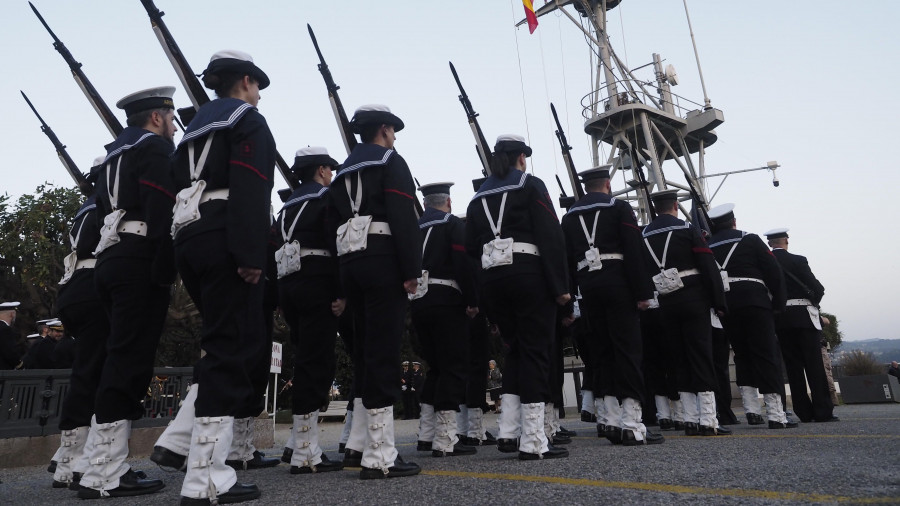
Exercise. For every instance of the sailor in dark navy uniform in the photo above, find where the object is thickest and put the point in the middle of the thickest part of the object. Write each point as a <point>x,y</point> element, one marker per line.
<point>606,260</point>
<point>133,273</point>
<point>689,288</point>
<point>512,229</point>
<point>9,354</point>
<point>755,288</point>
<point>380,257</point>
<point>444,301</point>
<point>309,296</point>
<point>82,314</point>
<point>224,167</point>
<point>799,329</point>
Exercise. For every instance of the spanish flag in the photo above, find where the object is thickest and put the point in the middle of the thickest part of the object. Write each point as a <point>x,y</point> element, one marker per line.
<point>529,15</point>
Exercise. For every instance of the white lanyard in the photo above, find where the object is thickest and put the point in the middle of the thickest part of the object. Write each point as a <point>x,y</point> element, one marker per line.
<point>425,242</point>
<point>356,202</point>
<point>114,195</point>
<point>495,228</point>
<point>728,257</point>
<point>74,240</point>
<point>665,251</point>
<point>590,238</point>
<point>197,168</point>
<point>290,233</point>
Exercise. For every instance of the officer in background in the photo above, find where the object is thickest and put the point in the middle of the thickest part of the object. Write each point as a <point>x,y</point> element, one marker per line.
<point>690,288</point>
<point>409,399</point>
<point>512,228</point>
<point>799,330</point>
<point>380,256</point>
<point>417,376</point>
<point>606,261</point>
<point>755,288</point>
<point>444,301</point>
<point>9,357</point>
<point>309,295</point>
<point>133,273</point>
<point>52,352</point>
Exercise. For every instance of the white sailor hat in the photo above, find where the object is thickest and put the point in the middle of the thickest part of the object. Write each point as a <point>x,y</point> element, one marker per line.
<point>512,143</point>
<point>44,322</point>
<point>777,233</point>
<point>417,363</point>
<point>601,172</point>
<point>405,362</point>
<point>230,61</point>
<point>664,195</point>
<point>435,188</point>
<point>312,156</point>
<point>375,114</point>
<point>722,213</point>
<point>55,324</point>
<point>8,306</point>
<point>151,98</point>
<point>33,336</point>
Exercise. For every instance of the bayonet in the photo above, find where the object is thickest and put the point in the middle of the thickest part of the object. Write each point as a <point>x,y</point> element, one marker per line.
<point>61,152</point>
<point>577,190</point>
<point>340,115</point>
<point>481,145</point>
<point>106,114</point>
<point>192,85</point>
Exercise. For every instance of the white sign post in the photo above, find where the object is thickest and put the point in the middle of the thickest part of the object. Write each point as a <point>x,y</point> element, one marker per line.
<point>275,367</point>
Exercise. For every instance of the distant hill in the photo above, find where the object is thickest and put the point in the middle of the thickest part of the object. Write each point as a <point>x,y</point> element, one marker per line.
<point>885,350</point>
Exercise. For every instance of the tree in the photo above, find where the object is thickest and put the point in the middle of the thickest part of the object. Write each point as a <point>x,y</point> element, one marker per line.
<point>832,332</point>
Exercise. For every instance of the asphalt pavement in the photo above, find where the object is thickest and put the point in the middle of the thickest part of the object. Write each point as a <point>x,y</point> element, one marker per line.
<point>855,461</point>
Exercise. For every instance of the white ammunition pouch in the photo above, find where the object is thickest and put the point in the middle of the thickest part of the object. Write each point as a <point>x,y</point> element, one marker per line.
<point>109,232</point>
<point>422,285</point>
<point>499,251</point>
<point>188,200</point>
<point>726,281</point>
<point>70,263</point>
<point>668,280</point>
<point>287,258</point>
<point>353,236</point>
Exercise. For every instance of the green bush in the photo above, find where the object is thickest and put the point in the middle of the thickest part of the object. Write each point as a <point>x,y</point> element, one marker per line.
<point>861,363</point>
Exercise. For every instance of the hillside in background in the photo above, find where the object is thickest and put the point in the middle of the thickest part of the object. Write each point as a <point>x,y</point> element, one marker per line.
<point>884,350</point>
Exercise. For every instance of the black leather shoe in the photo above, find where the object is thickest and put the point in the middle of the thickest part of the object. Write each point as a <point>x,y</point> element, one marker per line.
<point>52,467</point>
<point>566,432</point>
<point>60,484</point>
<point>650,438</point>
<point>552,453</point>
<point>678,425</point>
<point>287,455</point>
<point>352,458</point>
<point>691,429</point>
<point>423,446</point>
<point>832,419</point>
<point>588,417</point>
<point>727,418</point>
<point>666,424</point>
<point>239,492</point>
<point>164,457</point>
<point>508,445</point>
<point>778,425</point>
<point>712,431</point>
<point>75,485</point>
<point>459,449</point>
<point>398,470</point>
<point>613,435</point>
<point>342,447</point>
<point>259,461</point>
<point>322,467</point>
<point>601,430</point>
<point>755,419</point>
<point>129,485</point>
<point>489,439</point>
<point>560,439</point>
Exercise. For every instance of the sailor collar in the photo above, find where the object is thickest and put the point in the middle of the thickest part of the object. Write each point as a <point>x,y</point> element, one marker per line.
<point>130,138</point>
<point>514,180</point>
<point>432,217</point>
<point>89,205</point>
<point>676,224</point>
<point>304,192</point>
<point>729,240</point>
<point>365,155</point>
<point>219,114</point>
<point>592,201</point>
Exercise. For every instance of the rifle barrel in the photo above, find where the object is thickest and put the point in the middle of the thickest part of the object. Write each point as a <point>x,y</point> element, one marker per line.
<point>61,152</point>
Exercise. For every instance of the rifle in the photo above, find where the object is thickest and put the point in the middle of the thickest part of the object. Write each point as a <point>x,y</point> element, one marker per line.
<point>192,85</point>
<point>340,115</point>
<point>106,114</point>
<point>577,190</point>
<point>481,145</point>
<point>61,152</point>
<point>565,201</point>
<point>644,185</point>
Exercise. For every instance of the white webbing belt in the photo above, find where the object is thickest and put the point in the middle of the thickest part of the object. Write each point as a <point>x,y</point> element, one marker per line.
<point>133,227</point>
<point>220,194</point>
<point>305,252</point>
<point>86,264</point>
<point>603,256</point>
<point>688,272</point>
<point>661,264</point>
<point>518,247</point>
<point>798,302</point>
<point>732,280</point>
<point>445,282</point>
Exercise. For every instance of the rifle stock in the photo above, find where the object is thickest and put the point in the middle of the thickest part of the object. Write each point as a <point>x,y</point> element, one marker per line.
<point>61,152</point>
<point>106,115</point>
<point>481,145</point>
<point>192,85</point>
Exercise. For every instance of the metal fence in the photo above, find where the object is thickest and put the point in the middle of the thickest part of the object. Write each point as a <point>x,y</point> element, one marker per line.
<point>31,400</point>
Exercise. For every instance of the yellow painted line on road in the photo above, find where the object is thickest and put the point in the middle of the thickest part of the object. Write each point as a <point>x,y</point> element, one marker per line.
<point>671,489</point>
<point>791,436</point>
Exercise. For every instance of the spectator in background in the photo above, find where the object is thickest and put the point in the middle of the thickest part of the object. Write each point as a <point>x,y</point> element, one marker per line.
<point>894,370</point>
<point>494,383</point>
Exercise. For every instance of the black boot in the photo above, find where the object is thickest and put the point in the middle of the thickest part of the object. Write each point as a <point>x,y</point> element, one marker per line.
<point>666,424</point>
<point>779,425</point>
<point>398,470</point>
<point>691,429</point>
<point>239,492</point>
<point>755,419</point>
<point>613,435</point>
<point>566,432</point>
<point>459,449</point>
<point>164,457</point>
<point>129,485</point>
<point>508,445</point>
<point>258,461</point>
<point>288,454</point>
<point>322,467</point>
<point>352,458</point>
<point>551,453</point>
<point>712,431</point>
<point>650,438</point>
<point>588,417</point>
<point>560,439</point>
<point>342,447</point>
<point>423,446</point>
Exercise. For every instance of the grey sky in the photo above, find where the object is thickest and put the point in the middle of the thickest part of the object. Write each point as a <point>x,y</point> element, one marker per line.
<point>809,84</point>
